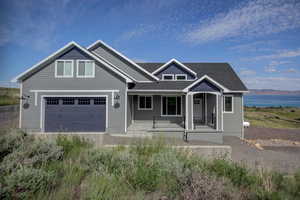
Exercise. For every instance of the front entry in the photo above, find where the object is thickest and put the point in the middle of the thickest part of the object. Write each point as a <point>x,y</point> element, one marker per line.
<point>199,109</point>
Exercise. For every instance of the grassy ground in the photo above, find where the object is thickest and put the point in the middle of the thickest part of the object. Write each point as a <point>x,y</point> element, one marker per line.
<point>9,96</point>
<point>70,168</point>
<point>273,117</point>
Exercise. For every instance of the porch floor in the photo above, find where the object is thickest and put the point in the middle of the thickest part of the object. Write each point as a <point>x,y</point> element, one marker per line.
<point>143,127</point>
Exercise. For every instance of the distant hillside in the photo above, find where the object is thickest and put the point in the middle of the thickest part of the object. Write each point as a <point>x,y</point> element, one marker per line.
<point>9,96</point>
<point>274,92</point>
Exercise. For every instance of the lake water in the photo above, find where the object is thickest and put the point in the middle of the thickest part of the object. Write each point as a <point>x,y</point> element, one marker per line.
<point>272,100</point>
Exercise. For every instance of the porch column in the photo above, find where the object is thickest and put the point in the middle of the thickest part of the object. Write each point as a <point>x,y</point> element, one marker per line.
<point>189,111</point>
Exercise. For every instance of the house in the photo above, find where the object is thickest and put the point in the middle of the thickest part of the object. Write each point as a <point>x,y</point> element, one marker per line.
<point>98,89</point>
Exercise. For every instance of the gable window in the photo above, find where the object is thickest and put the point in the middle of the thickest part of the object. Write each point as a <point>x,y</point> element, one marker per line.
<point>228,104</point>
<point>171,105</point>
<point>168,77</point>
<point>85,69</point>
<point>180,77</point>
<point>145,102</point>
<point>64,68</point>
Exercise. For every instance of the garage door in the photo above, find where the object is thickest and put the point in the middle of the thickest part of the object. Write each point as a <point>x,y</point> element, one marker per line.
<point>75,114</point>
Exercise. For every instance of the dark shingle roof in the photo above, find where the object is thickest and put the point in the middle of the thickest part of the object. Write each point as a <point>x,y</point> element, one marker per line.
<point>220,72</point>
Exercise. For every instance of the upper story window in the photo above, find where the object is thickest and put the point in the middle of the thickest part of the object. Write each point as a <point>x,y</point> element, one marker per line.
<point>145,102</point>
<point>168,77</point>
<point>228,104</point>
<point>85,69</point>
<point>180,77</point>
<point>64,68</point>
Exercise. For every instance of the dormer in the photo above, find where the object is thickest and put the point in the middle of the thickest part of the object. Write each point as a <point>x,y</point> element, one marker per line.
<point>175,71</point>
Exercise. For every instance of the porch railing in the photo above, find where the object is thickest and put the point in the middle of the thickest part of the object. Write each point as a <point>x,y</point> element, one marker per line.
<point>155,118</point>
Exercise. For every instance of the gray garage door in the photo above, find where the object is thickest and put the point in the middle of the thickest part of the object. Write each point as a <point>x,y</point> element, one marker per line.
<point>75,114</point>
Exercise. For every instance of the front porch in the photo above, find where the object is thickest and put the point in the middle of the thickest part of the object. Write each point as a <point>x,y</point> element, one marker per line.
<point>173,112</point>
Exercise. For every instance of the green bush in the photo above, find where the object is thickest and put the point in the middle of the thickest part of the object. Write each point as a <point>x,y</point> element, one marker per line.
<point>72,145</point>
<point>31,154</point>
<point>239,175</point>
<point>25,182</point>
<point>10,140</point>
<point>202,186</point>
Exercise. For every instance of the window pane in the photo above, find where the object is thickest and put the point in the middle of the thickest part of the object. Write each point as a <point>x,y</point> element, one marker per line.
<point>142,102</point>
<point>83,101</point>
<point>68,68</point>
<point>89,68</point>
<point>81,68</point>
<point>148,102</point>
<point>171,105</point>
<point>68,101</point>
<point>178,105</point>
<point>60,68</point>
<point>228,104</point>
<point>164,102</point>
<point>180,77</point>
<point>167,77</point>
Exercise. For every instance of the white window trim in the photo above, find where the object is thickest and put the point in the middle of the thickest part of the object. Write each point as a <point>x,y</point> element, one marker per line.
<point>85,76</point>
<point>232,104</point>
<point>161,105</point>
<point>139,108</point>
<point>181,75</point>
<point>163,77</point>
<point>63,76</point>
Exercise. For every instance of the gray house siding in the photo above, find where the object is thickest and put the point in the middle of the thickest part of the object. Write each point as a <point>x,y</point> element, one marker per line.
<point>174,69</point>
<point>45,79</point>
<point>121,64</point>
<point>147,115</point>
<point>233,122</point>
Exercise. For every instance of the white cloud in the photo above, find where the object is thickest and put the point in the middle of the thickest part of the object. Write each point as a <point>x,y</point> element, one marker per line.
<point>247,72</point>
<point>140,30</point>
<point>258,17</point>
<point>33,24</point>
<point>272,67</point>
<point>278,83</point>
<point>291,70</point>
<point>280,54</point>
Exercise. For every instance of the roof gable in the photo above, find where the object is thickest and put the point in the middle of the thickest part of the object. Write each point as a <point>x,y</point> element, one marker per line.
<point>173,62</point>
<point>70,50</point>
<point>204,86</point>
<point>212,84</point>
<point>174,68</point>
<point>121,57</point>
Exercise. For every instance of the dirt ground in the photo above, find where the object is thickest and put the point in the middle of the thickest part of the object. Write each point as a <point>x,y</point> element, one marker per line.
<point>272,133</point>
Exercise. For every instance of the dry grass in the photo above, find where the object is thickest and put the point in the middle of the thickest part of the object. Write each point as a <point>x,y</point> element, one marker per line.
<point>273,117</point>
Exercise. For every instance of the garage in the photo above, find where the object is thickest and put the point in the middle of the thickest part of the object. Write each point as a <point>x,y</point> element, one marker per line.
<point>75,114</point>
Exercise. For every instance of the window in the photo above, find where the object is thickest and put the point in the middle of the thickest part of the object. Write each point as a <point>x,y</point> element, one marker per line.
<point>85,69</point>
<point>180,77</point>
<point>145,102</point>
<point>99,101</point>
<point>68,101</point>
<point>171,105</point>
<point>83,101</point>
<point>64,68</point>
<point>52,101</point>
<point>168,77</point>
<point>228,104</point>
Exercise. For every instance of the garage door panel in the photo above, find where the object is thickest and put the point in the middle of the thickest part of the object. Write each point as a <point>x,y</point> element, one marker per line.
<point>75,118</point>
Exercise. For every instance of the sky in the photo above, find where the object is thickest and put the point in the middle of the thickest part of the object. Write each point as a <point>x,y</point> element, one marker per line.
<point>259,38</point>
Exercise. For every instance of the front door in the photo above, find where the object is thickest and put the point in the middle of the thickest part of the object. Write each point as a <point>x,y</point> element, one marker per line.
<point>198,110</point>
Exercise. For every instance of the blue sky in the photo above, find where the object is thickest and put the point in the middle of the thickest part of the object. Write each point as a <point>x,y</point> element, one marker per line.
<point>259,38</point>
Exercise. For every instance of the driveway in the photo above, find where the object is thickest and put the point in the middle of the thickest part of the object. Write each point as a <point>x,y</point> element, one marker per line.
<point>282,159</point>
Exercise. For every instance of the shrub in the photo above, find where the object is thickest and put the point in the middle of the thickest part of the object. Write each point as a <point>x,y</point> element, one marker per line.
<point>203,186</point>
<point>239,175</point>
<point>10,140</point>
<point>72,145</point>
<point>25,182</point>
<point>31,154</point>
